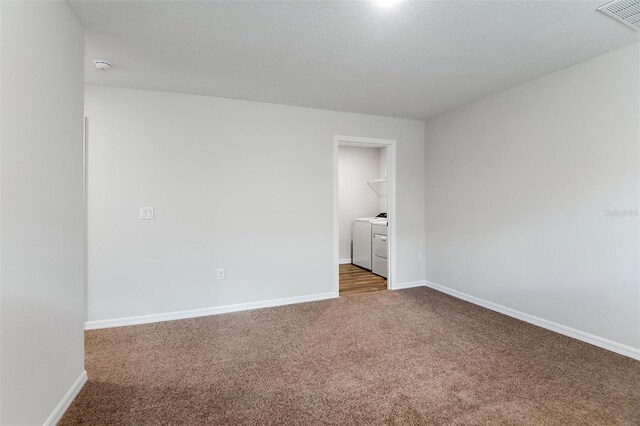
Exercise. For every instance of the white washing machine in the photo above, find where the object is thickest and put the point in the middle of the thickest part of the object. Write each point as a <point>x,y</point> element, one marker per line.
<point>361,237</point>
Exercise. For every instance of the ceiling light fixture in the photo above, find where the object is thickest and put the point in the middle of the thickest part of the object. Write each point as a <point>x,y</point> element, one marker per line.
<point>102,65</point>
<point>387,3</point>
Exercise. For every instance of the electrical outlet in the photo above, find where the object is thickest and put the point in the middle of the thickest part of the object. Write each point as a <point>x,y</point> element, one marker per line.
<point>420,255</point>
<point>221,274</point>
<point>146,213</point>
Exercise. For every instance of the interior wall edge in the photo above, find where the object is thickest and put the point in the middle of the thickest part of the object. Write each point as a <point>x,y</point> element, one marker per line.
<point>66,401</point>
<point>42,301</point>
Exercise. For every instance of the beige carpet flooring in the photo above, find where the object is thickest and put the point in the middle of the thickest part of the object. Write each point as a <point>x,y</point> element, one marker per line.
<point>405,357</point>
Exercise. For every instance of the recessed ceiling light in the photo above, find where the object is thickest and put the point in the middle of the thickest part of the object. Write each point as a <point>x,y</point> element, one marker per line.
<point>387,3</point>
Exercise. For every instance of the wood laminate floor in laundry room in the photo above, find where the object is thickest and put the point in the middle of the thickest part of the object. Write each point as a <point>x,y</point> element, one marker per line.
<point>354,280</point>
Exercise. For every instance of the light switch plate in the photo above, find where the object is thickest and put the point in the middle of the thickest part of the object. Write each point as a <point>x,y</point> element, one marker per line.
<point>146,213</point>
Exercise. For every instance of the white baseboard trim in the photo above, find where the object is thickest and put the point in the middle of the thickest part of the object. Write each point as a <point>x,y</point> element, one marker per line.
<point>71,394</point>
<point>344,261</point>
<point>601,342</point>
<point>408,284</point>
<point>216,310</point>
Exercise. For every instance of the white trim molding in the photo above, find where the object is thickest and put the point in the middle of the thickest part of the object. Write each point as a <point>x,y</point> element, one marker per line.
<point>71,394</point>
<point>601,342</point>
<point>202,312</point>
<point>344,261</point>
<point>407,284</point>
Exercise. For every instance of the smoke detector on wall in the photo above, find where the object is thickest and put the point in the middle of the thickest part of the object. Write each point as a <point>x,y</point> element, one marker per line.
<point>102,65</point>
<point>625,11</point>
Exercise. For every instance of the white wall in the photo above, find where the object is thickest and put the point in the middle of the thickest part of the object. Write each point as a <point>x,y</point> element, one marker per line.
<point>242,185</point>
<point>42,224</point>
<point>517,188</point>
<point>356,166</point>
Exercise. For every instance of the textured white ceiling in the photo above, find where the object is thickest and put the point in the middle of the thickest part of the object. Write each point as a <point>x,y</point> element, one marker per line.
<point>414,60</point>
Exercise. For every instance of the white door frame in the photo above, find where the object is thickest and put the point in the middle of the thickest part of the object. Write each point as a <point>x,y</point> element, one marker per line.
<point>85,200</point>
<point>356,141</point>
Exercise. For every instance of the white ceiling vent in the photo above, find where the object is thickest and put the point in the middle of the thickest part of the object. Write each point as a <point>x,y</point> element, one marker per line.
<point>625,11</point>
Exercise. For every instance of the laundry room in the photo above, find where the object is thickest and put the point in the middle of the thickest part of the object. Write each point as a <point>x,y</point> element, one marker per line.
<point>363,206</point>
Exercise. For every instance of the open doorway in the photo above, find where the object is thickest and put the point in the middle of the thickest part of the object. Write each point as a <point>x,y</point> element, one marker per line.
<point>364,214</point>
